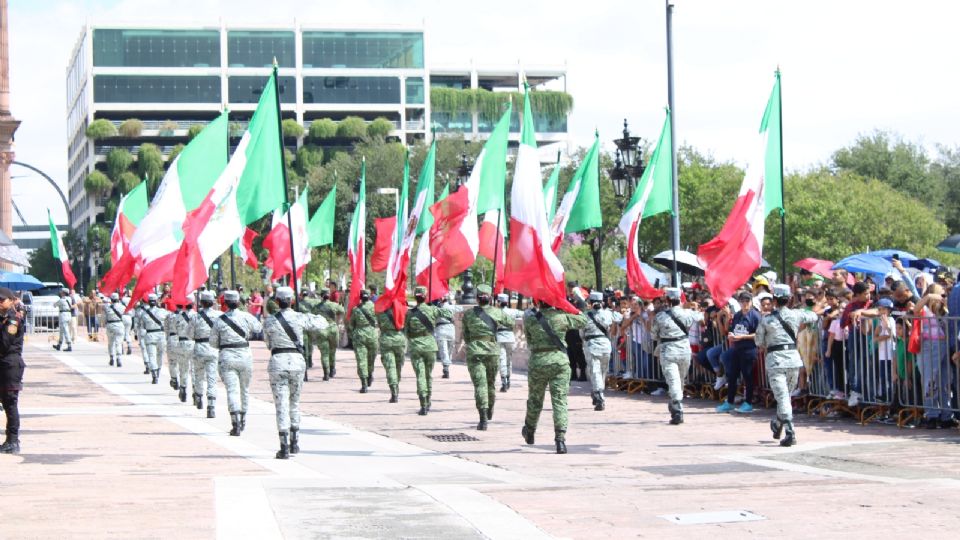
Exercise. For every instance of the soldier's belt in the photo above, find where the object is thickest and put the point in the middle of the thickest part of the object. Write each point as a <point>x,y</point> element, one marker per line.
<point>485,338</point>
<point>155,330</point>
<point>234,346</point>
<point>425,334</point>
<point>66,311</point>
<point>281,350</point>
<point>672,339</point>
<point>441,322</point>
<point>184,339</point>
<point>598,336</point>
<point>202,340</point>
<point>171,335</point>
<point>784,347</point>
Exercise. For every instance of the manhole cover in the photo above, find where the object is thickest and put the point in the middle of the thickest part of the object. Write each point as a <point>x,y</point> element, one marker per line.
<point>452,437</point>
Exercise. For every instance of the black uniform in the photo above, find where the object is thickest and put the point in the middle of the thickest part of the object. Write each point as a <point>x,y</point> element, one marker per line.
<point>11,369</point>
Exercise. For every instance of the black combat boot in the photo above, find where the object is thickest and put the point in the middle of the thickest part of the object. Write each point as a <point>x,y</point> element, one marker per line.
<point>363,386</point>
<point>294,440</point>
<point>146,369</point>
<point>333,371</point>
<point>305,376</point>
<point>446,372</point>
<point>482,426</point>
<point>69,348</point>
<point>776,426</point>
<point>528,433</point>
<point>129,349</point>
<point>211,408</point>
<point>183,394</point>
<point>235,423</point>
<point>423,406</point>
<point>174,384</point>
<point>561,441</point>
<point>118,362</point>
<point>676,412</point>
<point>601,403</point>
<point>490,411</point>
<point>326,376</point>
<point>503,384</point>
<point>198,401</point>
<point>593,398</point>
<point>111,360</point>
<point>154,377</point>
<point>243,421</point>
<point>370,379</point>
<point>393,393</point>
<point>508,382</point>
<point>429,402</point>
<point>11,445</point>
<point>284,452</point>
<point>791,437</point>
<point>57,346</point>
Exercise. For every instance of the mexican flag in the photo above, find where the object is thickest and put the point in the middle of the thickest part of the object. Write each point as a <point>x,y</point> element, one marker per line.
<point>731,257</point>
<point>532,268</point>
<point>654,195</point>
<point>385,229</point>
<point>155,245</point>
<point>454,236</point>
<point>580,207</point>
<point>130,211</point>
<point>260,189</point>
<point>321,224</point>
<point>492,246</point>
<point>243,248</point>
<point>60,253</point>
<point>550,191</point>
<point>424,265</point>
<point>277,241</point>
<point>356,243</point>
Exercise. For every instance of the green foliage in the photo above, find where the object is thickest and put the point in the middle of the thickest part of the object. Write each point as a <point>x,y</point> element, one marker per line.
<point>352,127</point>
<point>167,128</point>
<point>101,129</point>
<point>308,158</point>
<point>127,181</point>
<point>42,264</point>
<point>110,209</point>
<point>381,127</point>
<point>174,152</point>
<point>324,128</point>
<point>235,129</point>
<point>97,184</point>
<point>131,128</point>
<point>119,161</point>
<point>196,129</point>
<point>291,129</point>
<point>150,164</point>
<point>490,105</point>
<point>946,169</point>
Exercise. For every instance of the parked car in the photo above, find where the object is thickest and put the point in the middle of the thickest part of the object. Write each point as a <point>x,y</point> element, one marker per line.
<point>45,312</point>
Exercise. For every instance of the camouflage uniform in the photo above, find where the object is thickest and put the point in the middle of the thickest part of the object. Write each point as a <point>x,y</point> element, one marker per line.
<point>483,354</point>
<point>423,347</point>
<point>173,348</point>
<point>306,305</point>
<point>186,361</point>
<point>286,367</point>
<point>363,332</point>
<point>235,358</point>
<point>674,350</point>
<point>330,337</point>
<point>153,335</point>
<point>506,341</point>
<point>137,330</point>
<point>65,310</point>
<point>127,324</point>
<point>446,334</point>
<point>783,363</point>
<point>113,316</point>
<point>548,367</point>
<point>392,349</point>
<point>204,356</point>
<point>596,350</point>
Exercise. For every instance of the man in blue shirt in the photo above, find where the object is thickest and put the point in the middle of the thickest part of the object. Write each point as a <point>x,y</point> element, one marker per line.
<point>742,354</point>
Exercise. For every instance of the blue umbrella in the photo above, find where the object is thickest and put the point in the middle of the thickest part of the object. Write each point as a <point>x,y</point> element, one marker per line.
<point>19,282</point>
<point>651,273</point>
<point>867,263</point>
<point>924,264</point>
<point>888,254</point>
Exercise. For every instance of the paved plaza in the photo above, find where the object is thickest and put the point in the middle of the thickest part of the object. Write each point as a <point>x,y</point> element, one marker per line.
<point>108,455</point>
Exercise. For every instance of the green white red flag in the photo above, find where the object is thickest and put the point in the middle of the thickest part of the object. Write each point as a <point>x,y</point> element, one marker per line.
<point>60,253</point>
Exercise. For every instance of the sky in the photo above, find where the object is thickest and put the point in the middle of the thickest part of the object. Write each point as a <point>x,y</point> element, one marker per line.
<point>848,67</point>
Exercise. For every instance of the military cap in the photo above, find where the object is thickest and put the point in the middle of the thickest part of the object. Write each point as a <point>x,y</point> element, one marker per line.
<point>152,297</point>
<point>484,289</point>
<point>420,291</point>
<point>503,297</point>
<point>208,296</point>
<point>65,290</point>
<point>114,297</point>
<point>596,296</point>
<point>284,293</point>
<point>672,293</point>
<point>231,296</point>
<point>781,290</point>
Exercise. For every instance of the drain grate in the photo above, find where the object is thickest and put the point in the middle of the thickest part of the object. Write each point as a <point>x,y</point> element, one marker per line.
<point>452,437</point>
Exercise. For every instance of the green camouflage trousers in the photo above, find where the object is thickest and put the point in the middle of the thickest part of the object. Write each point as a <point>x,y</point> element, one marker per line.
<point>556,376</point>
<point>327,343</point>
<point>365,350</point>
<point>423,366</point>
<point>483,373</point>
<point>782,382</point>
<point>392,359</point>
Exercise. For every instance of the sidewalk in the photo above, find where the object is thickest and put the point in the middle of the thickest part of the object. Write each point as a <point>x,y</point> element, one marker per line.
<point>151,467</point>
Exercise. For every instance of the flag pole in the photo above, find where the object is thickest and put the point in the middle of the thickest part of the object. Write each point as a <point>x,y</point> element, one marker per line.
<point>233,269</point>
<point>283,169</point>
<point>675,218</point>
<point>496,249</point>
<point>783,210</point>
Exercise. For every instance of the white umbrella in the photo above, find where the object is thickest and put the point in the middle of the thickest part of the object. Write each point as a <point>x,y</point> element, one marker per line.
<point>687,262</point>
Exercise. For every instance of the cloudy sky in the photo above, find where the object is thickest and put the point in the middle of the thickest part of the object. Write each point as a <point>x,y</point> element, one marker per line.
<point>848,67</point>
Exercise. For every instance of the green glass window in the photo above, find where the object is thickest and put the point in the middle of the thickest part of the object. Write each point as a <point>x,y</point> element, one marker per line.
<point>156,89</point>
<point>351,90</point>
<point>415,90</point>
<point>156,48</point>
<point>446,122</point>
<point>363,49</point>
<point>248,89</point>
<point>258,49</point>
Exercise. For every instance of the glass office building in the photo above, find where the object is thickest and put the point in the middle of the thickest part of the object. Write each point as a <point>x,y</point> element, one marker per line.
<point>173,78</point>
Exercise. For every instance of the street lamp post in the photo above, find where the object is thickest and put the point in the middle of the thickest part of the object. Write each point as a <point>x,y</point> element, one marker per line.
<point>628,166</point>
<point>467,296</point>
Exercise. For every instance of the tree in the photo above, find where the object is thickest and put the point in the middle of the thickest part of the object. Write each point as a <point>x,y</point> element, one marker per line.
<point>131,128</point>
<point>167,128</point>
<point>97,184</point>
<point>42,265</point>
<point>127,181</point>
<point>150,164</point>
<point>101,128</point>
<point>119,161</point>
<point>352,127</point>
<point>174,152</point>
<point>291,129</point>
<point>308,158</point>
<point>381,127</point>
<point>947,169</point>
<point>195,130</point>
<point>323,128</point>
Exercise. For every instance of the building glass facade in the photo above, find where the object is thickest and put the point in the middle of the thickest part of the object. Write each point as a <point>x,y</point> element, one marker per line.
<point>351,90</point>
<point>156,89</point>
<point>363,50</point>
<point>415,93</point>
<point>247,89</point>
<point>156,48</point>
<point>259,48</point>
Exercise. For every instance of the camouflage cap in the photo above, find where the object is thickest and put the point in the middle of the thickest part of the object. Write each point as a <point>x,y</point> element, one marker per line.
<point>231,296</point>
<point>115,297</point>
<point>484,289</point>
<point>596,296</point>
<point>781,290</point>
<point>420,291</point>
<point>152,297</point>
<point>672,293</point>
<point>208,296</point>
<point>284,293</point>
<point>503,297</point>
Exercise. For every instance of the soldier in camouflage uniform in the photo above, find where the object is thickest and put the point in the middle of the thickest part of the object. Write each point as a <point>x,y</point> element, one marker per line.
<point>392,349</point>
<point>480,327</point>
<point>230,334</point>
<point>173,348</point>
<point>185,360</point>
<point>306,305</point>
<point>446,334</point>
<point>283,334</point>
<point>113,316</point>
<point>549,366</point>
<point>127,324</point>
<point>270,305</point>
<point>330,337</point>
<point>137,330</point>
<point>204,356</point>
<point>597,347</point>
<point>671,327</point>
<point>506,340</point>
<point>777,334</point>
<point>419,327</point>
<point>65,309</point>
<point>152,321</point>
<point>363,332</point>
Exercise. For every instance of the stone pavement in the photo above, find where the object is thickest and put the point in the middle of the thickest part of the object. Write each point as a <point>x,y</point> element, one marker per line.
<point>152,467</point>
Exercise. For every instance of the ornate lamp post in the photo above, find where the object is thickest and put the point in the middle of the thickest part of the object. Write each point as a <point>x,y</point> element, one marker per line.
<point>467,296</point>
<point>628,165</point>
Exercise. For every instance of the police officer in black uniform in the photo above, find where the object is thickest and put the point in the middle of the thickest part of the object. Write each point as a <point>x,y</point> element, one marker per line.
<point>11,365</point>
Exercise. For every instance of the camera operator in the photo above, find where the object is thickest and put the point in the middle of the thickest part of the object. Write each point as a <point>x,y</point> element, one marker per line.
<point>11,365</point>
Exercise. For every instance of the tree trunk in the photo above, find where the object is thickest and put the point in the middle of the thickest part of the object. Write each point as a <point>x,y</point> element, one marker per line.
<point>596,250</point>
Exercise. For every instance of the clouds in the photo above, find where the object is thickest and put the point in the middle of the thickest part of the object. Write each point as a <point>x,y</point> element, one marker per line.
<point>848,67</point>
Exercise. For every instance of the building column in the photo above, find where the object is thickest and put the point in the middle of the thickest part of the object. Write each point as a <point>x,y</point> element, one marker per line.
<point>8,126</point>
